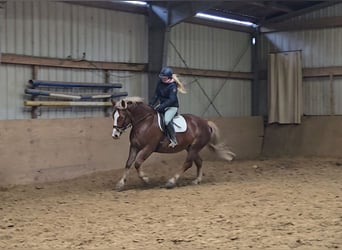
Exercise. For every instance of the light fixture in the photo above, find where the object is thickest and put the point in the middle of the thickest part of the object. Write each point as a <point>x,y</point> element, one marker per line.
<point>141,3</point>
<point>223,19</point>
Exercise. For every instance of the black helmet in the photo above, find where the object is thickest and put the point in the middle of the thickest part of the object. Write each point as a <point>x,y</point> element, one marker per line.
<point>166,71</point>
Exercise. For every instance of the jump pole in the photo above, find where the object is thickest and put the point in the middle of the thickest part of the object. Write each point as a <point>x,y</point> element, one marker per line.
<point>66,103</point>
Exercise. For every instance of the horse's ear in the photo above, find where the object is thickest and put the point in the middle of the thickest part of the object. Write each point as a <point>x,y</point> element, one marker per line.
<point>123,104</point>
<point>113,102</point>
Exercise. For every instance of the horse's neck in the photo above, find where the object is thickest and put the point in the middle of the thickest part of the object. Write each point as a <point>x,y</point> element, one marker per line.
<point>141,113</point>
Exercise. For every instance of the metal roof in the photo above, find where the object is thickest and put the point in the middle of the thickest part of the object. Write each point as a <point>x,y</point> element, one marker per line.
<point>258,12</point>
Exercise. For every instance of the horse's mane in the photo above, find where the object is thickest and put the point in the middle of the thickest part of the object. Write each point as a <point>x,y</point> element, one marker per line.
<point>133,99</point>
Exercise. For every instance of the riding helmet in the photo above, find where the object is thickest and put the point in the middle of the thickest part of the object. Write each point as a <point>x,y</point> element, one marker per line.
<point>166,71</point>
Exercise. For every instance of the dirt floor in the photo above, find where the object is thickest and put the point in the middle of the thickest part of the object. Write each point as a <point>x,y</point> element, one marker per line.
<point>262,204</point>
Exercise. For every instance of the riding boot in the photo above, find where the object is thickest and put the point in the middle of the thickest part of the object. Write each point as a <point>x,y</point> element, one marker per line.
<point>172,135</point>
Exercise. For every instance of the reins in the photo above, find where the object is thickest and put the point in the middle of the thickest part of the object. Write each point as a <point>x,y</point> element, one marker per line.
<point>131,124</point>
<point>140,120</point>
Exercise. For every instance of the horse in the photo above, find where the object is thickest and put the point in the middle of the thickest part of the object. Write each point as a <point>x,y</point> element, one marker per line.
<point>147,137</point>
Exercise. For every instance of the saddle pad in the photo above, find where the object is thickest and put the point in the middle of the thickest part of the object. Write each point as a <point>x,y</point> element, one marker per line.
<point>178,121</point>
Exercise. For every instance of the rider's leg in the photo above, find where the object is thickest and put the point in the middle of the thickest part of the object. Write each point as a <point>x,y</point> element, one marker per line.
<point>169,114</point>
<point>172,134</point>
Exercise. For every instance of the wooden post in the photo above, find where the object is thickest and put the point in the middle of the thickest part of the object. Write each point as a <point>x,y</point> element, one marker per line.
<point>107,79</point>
<point>332,99</point>
<point>33,97</point>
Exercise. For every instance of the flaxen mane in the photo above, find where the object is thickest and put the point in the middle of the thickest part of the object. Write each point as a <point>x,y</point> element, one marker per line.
<point>133,99</point>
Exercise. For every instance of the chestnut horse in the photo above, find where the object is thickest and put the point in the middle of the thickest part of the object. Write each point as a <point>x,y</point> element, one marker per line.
<point>146,137</point>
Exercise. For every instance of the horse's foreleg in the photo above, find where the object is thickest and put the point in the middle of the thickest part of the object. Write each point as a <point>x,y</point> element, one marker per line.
<point>142,156</point>
<point>132,155</point>
<point>198,162</point>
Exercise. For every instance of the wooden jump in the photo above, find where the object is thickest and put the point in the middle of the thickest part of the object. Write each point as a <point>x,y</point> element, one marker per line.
<point>66,104</point>
<point>36,83</point>
<point>37,92</point>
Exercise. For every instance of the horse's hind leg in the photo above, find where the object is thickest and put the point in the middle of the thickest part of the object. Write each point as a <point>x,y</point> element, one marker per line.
<point>186,165</point>
<point>171,183</point>
<point>198,162</point>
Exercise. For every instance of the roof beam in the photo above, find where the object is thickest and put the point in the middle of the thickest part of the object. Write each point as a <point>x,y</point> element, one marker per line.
<point>111,5</point>
<point>172,13</point>
<point>273,6</point>
<point>231,15</point>
<point>298,12</point>
<point>221,25</point>
<point>321,23</point>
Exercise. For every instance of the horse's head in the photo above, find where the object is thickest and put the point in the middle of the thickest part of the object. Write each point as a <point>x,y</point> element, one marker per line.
<point>122,115</point>
<point>121,118</point>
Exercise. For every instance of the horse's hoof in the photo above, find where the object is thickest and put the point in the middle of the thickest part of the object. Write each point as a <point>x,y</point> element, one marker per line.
<point>196,182</point>
<point>146,180</point>
<point>170,185</point>
<point>119,187</point>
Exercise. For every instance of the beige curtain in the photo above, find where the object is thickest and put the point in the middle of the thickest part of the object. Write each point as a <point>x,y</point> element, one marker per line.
<point>285,87</point>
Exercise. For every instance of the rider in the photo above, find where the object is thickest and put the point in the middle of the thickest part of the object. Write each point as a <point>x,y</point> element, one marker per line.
<point>166,94</point>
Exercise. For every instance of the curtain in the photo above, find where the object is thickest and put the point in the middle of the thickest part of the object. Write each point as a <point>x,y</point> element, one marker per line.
<point>285,87</point>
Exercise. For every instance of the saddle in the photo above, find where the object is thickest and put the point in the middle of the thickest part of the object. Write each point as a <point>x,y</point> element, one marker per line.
<point>178,123</point>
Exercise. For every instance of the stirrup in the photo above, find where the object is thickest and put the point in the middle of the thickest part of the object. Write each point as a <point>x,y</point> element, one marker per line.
<point>173,144</point>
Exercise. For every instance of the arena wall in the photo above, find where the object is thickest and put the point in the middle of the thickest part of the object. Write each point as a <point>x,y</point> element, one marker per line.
<point>318,136</point>
<point>45,150</point>
<point>36,151</point>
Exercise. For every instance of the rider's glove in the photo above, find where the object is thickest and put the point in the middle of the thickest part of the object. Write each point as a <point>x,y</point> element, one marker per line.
<point>160,109</point>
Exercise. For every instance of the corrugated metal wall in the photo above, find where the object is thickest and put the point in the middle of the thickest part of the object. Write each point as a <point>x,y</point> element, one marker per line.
<point>203,47</point>
<point>55,29</point>
<point>61,30</point>
<point>320,48</point>
<point>216,97</point>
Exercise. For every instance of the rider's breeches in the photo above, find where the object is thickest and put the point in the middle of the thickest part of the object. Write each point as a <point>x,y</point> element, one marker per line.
<point>169,114</point>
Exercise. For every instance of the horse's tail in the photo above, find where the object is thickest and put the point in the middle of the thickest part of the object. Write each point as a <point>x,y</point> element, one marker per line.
<point>216,146</point>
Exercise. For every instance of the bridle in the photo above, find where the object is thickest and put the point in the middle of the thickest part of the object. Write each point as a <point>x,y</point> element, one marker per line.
<point>121,129</point>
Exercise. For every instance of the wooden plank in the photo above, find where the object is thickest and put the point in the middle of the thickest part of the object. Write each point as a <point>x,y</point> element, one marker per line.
<point>37,92</point>
<point>67,104</point>
<point>67,63</point>
<point>214,73</point>
<point>74,84</point>
<point>312,72</point>
<point>322,71</point>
